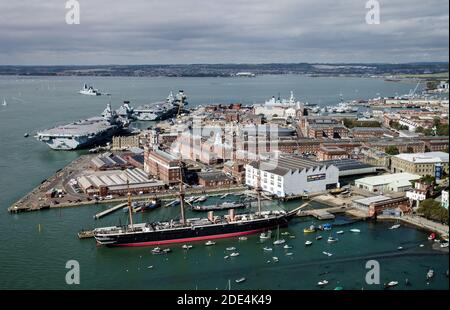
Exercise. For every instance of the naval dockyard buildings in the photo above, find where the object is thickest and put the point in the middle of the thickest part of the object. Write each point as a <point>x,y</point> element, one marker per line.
<point>291,175</point>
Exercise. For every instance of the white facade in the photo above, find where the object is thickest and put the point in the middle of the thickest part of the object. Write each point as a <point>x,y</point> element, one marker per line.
<point>444,199</point>
<point>397,182</point>
<point>293,182</point>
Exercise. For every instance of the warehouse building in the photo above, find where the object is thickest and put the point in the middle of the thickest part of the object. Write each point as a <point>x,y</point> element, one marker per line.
<point>349,167</point>
<point>398,182</point>
<point>290,175</point>
<point>430,163</point>
<point>114,182</point>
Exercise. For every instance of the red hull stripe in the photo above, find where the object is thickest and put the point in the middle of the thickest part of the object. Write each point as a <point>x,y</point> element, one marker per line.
<point>222,236</point>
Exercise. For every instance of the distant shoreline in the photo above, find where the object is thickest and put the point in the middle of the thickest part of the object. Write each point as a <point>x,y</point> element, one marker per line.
<point>408,70</point>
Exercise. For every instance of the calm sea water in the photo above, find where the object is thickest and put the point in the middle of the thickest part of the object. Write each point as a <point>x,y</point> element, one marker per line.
<point>33,259</point>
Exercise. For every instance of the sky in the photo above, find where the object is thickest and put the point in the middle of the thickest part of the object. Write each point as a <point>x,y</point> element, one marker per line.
<point>35,32</point>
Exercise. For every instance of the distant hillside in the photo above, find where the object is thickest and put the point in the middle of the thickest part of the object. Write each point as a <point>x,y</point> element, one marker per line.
<point>225,70</point>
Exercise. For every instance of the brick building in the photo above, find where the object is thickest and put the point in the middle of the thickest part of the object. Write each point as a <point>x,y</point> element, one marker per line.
<point>331,153</point>
<point>162,165</point>
<point>214,179</point>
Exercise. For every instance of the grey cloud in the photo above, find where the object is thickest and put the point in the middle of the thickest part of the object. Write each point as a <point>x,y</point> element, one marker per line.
<point>214,31</point>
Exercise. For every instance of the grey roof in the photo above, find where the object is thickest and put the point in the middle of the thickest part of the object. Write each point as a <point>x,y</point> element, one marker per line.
<point>369,129</point>
<point>108,160</point>
<point>367,201</point>
<point>347,164</point>
<point>287,163</point>
<point>213,176</point>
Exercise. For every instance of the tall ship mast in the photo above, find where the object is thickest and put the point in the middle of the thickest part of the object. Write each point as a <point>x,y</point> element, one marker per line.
<point>194,229</point>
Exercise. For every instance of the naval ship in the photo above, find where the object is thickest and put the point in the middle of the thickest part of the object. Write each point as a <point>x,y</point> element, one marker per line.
<point>161,110</point>
<point>90,91</point>
<point>83,133</point>
<point>194,229</point>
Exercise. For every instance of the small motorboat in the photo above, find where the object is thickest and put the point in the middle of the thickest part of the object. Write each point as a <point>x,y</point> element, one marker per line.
<point>172,203</point>
<point>150,267</point>
<point>391,284</point>
<point>308,243</point>
<point>422,245</point>
<point>338,288</point>
<point>327,253</point>
<point>326,226</point>
<point>209,243</point>
<point>240,280</point>
<point>242,238</point>
<point>279,241</point>
<point>354,230</point>
<point>267,249</point>
<point>287,247</point>
<point>322,283</point>
<point>444,245</point>
<point>292,236</point>
<point>310,229</point>
<point>226,257</point>
<point>265,236</point>
<point>340,232</point>
<point>186,246</point>
<point>289,254</point>
<point>26,135</point>
<point>232,248</point>
<point>234,254</point>
<point>430,274</point>
<point>165,251</point>
<point>319,238</point>
<point>400,248</point>
<point>156,250</point>
<point>394,226</point>
<point>286,233</point>
<point>201,199</point>
<point>332,240</point>
<point>275,259</point>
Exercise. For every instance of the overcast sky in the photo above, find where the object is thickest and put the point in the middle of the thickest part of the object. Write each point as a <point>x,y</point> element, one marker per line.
<point>222,31</point>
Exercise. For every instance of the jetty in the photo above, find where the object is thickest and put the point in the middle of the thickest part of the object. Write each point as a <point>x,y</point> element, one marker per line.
<point>85,234</point>
<point>109,211</point>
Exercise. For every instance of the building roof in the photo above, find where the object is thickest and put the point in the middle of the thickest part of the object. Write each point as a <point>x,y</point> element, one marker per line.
<point>425,158</point>
<point>369,129</point>
<point>388,178</point>
<point>331,149</point>
<point>213,176</point>
<point>369,200</point>
<point>347,164</point>
<point>287,163</point>
<point>108,160</point>
<point>116,178</point>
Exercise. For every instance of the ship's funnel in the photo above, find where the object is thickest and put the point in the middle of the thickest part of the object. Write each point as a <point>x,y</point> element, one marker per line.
<point>231,215</point>
<point>211,216</point>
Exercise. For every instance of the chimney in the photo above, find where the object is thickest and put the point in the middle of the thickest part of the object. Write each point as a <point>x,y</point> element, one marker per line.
<point>211,216</point>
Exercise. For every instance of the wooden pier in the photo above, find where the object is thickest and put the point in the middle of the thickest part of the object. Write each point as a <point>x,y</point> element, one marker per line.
<point>323,214</point>
<point>109,211</point>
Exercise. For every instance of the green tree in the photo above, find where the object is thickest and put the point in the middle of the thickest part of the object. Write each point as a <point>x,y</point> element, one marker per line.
<point>433,210</point>
<point>392,150</point>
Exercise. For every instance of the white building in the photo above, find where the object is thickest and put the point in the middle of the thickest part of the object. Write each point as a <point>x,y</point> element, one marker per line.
<point>291,175</point>
<point>444,199</point>
<point>412,126</point>
<point>397,182</point>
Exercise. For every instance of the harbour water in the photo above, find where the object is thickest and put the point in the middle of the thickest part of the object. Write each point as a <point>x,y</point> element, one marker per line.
<point>34,247</point>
